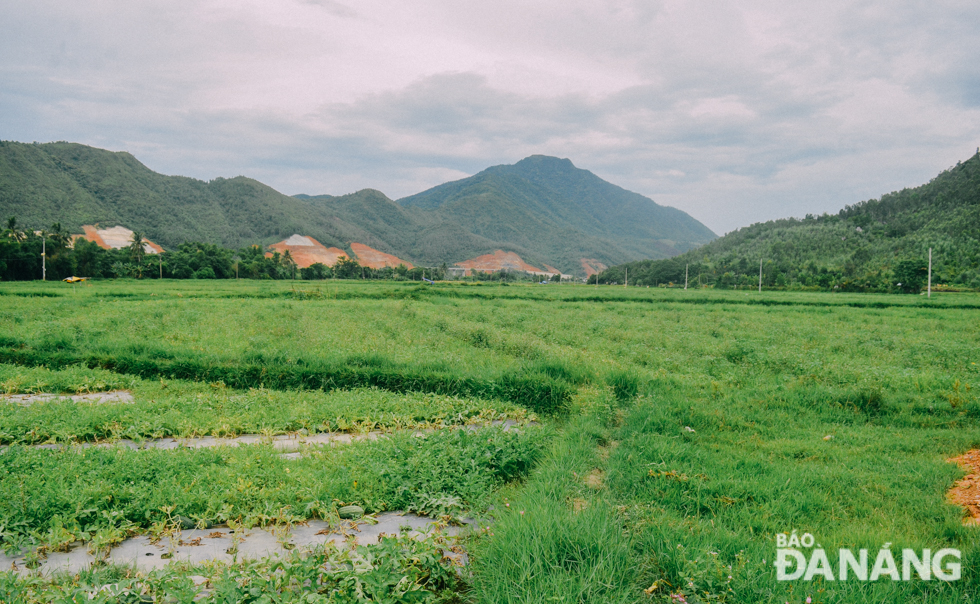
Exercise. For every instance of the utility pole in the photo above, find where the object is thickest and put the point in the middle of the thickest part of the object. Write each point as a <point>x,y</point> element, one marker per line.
<point>760,275</point>
<point>44,259</point>
<point>626,279</point>
<point>929,287</point>
<point>160,257</point>
<point>686,266</point>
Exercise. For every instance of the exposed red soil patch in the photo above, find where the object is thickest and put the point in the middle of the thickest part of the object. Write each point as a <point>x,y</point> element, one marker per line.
<point>551,269</point>
<point>966,492</point>
<point>116,238</point>
<point>498,261</point>
<point>372,258</point>
<point>92,234</point>
<point>307,251</point>
<point>592,266</point>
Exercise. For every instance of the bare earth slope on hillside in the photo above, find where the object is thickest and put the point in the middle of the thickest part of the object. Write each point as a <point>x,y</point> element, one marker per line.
<point>591,266</point>
<point>372,258</point>
<point>497,261</point>
<point>115,238</point>
<point>307,251</point>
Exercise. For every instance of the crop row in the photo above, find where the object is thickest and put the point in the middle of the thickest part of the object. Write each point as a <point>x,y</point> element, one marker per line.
<point>539,393</point>
<point>187,409</point>
<point>50,497</point>
<point>346,291</point>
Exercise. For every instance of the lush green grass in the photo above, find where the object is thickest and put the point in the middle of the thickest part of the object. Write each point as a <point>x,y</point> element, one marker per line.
<point>561,537</point>
<point>45,493</point>
<point>694,423</point>
<point>397,345</point>
<point>185,409</point>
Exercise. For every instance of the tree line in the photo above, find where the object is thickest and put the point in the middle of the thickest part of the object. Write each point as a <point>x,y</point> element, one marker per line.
<point>900,275</point>
<point>21,260</point>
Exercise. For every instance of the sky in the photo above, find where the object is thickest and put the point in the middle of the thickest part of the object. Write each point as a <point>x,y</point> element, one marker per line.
<point>733,112</point>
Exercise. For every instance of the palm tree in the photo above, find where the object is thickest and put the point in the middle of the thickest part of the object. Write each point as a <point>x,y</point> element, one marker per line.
<point>136,251</point>
<point>12,229</point>
<point>289,264</point>
<point>136,248</point>
<point>58,236</point>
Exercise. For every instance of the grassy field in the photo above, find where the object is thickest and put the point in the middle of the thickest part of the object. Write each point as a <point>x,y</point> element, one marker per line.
<point>681,430</point>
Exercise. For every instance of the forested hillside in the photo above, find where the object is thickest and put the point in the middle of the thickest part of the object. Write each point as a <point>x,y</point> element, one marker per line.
<point>542,208</point>
<point>870,246</point>
<point>75,185</point>
<point>371,218</point>
<point>562,214</point>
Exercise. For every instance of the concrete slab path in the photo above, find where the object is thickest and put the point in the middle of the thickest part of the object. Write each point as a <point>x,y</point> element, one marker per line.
<point>196,546</point>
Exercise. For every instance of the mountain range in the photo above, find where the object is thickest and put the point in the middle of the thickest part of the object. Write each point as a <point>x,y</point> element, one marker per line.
<point>542,208</point>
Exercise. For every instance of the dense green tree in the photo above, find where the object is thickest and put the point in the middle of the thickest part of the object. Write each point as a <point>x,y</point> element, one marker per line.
<point>316,271</point>
<point>90,260</point>
<point>11,230</point>
<point>255,263</point>
<point>196,260</point>
<point>137,251</point>
<point>347,268</point>
<point>910,276</point>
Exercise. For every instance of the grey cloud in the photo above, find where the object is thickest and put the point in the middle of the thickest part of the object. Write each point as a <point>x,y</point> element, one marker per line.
<point>334,8</point>
<point>734,113</point>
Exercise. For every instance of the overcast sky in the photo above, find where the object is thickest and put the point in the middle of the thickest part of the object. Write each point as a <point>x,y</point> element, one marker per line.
<point>735,112</point>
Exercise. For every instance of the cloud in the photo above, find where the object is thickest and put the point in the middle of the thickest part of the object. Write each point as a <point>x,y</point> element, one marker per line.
<point>335,8</point>
<point>732,112</point>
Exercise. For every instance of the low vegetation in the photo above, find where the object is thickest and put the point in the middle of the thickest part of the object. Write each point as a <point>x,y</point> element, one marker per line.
<point>693,427</point>
<point>51,498</point>
<point>190,409</point>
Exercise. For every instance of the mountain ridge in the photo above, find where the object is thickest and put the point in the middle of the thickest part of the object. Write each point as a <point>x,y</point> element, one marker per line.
<point>519,208</point>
